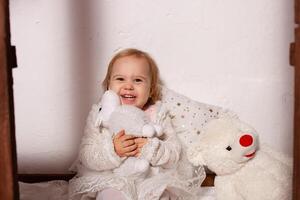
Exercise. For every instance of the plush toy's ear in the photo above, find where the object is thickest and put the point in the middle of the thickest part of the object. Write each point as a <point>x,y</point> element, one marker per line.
<point>99,119</point>
<point>194,156</point>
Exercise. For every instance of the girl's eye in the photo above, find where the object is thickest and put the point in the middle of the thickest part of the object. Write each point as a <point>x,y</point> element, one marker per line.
<point>138,80</point>
<point>120,79</point>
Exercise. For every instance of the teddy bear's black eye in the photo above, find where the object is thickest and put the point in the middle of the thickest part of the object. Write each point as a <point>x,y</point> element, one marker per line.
<point>228,148</point>
<point>100,109</point>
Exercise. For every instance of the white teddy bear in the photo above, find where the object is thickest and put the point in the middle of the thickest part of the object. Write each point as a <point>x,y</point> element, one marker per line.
<point>230,148</point>
<point>134,121</point>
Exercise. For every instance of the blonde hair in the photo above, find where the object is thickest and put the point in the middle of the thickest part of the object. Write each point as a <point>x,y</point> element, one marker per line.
<point>155,90</point>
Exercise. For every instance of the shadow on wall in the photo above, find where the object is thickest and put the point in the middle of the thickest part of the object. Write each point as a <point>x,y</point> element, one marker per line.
<point>84,62</point>
<point>84,70</point>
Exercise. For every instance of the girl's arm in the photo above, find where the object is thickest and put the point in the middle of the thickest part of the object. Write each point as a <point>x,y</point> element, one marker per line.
<point>163,152</point>
<point>96,148</point>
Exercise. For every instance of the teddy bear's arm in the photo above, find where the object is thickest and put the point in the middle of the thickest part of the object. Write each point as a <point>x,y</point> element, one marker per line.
<point>166,152</point>
<point>96,148</point>
<point>225,189</point>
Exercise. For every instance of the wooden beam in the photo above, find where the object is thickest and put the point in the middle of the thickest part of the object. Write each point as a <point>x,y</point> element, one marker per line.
<point>8,183</point>
<point>35,178</point>
<point>296,178</point>
<point>296,60</point>
<point>297,12</point>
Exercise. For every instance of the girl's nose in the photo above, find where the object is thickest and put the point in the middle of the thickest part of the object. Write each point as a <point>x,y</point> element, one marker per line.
<point>246,140</point>
<point>128,86</point>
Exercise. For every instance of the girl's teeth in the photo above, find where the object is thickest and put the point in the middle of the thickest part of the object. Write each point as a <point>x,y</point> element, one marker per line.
<point>128,96</point>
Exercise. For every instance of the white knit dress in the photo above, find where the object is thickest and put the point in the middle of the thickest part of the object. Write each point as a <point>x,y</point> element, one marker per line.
<point>169,167</point>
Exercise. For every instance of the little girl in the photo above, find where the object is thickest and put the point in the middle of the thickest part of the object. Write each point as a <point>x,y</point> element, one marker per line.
<point>134,76</point>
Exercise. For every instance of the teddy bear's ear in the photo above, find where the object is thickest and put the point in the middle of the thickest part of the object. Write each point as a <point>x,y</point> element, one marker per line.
<point>194,156</point>
<point>99,119</point>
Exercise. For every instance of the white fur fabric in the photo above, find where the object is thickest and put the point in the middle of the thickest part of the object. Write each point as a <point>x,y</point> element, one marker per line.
<point>117,117</point>
<point>133,121</point>
<point>229,147</point>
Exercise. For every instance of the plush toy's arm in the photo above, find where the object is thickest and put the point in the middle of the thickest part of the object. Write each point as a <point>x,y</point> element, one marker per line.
<point>194,155</point>
<point>96,148</point>
<point>225,189</point>
<point>166,152</point>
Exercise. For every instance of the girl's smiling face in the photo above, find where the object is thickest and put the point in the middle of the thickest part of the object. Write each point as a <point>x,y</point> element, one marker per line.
<point>130,79</point>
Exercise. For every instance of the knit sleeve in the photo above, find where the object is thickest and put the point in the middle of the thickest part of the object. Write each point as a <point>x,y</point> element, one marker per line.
<point>164,151</point>
<point>96,148</point>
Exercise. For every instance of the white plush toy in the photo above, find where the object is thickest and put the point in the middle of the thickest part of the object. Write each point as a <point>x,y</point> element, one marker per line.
<point>244,170</point>
<point>134,121</point>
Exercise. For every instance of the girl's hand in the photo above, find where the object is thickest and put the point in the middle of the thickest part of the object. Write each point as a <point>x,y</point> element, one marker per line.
<point>140,142</point>
<point>125,145</point>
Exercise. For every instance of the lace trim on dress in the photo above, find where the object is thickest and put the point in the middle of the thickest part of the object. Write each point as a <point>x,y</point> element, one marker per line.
<point>94,184</point>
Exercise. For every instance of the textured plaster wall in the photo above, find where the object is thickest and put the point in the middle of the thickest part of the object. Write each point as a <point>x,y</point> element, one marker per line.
<point>229,53</point>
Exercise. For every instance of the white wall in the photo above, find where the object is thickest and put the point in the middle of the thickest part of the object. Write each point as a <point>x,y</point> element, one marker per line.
<point>229,53</point>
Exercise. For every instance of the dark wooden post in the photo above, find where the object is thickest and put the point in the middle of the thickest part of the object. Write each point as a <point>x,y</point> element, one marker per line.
<point>295,55</point>
<point>8,183</point>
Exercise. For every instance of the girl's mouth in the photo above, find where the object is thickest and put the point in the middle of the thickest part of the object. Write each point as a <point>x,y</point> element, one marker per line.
<point>127,98</point>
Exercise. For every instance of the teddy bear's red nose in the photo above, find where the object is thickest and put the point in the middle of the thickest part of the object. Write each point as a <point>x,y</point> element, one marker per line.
<point>246,140</point>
